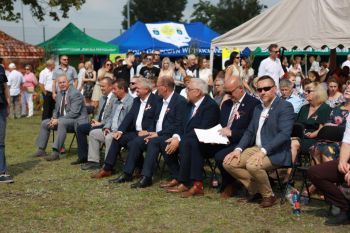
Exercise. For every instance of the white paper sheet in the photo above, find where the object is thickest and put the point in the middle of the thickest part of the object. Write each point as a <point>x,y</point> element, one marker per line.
<point>211,135</point>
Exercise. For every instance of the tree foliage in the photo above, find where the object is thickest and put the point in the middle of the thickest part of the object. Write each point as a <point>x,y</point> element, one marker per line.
<point>227,14</point>
<point>154,10</point>
<point>56,9</point>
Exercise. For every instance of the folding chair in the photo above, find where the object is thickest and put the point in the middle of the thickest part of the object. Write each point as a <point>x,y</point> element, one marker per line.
<point>298,132</point>
<point>72,141</point>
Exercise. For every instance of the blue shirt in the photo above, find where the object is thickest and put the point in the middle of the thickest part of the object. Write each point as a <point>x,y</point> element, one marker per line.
<point>296,101</point>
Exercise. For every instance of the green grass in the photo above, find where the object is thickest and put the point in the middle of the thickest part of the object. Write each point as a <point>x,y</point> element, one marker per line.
<point>59,197</point>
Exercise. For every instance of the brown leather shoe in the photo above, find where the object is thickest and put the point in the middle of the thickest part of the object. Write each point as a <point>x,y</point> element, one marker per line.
<point>102,173</point>
<point>177,189</point>
<point>196,190</point>
<point>268,201</point>
<point>228,192</point>
<point>169,184</point>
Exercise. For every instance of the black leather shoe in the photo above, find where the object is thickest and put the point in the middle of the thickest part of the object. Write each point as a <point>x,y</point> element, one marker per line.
<point>122,179</point>
<point>341,219</point>
<point>78,161</point>
<point>90,166</point>
<point>144,182</point>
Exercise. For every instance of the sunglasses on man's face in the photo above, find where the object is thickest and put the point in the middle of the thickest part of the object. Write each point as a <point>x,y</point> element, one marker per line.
<point>260,89</point>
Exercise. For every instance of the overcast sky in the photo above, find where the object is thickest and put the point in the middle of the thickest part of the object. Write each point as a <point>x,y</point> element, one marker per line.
<point>100,18</point>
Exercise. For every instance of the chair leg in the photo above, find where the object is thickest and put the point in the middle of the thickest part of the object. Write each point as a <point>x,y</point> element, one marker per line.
<point>305,184</point>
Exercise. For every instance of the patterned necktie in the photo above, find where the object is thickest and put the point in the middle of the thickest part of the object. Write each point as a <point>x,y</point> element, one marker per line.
<point>103,108</point>
<point>233,114</point>
<point>63,103</point>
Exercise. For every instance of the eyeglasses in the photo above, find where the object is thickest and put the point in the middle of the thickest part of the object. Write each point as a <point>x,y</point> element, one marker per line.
<point>266,89</point>
<point>309,91</point>
<point>238,57</point>
<point>149,59</point>
<point>108,64</point>
<point>64,59</point>
<point>274,51</point>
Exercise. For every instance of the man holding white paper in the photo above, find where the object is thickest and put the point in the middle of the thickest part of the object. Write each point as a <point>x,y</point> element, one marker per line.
<point>235,116</point>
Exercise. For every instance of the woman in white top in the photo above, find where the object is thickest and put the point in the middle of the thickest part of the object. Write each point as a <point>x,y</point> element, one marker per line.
<point>204,72</point>
<point>167,68</point>
<point>246,73</point>
<point>233,69</point>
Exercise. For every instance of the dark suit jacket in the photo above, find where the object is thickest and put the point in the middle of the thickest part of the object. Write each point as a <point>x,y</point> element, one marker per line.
<point>173,122</point>
<point>149,116</point>
<point>206,117</point>
<point>245,110</point>
<point>275,132</point>
<point>74,106</point>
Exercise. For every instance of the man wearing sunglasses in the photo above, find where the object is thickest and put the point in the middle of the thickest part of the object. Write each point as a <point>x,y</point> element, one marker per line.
<point>272,66</point>
<point>64,69</point>
<point>125,70</point>
<point>264,146</point>
<point>150,70</point>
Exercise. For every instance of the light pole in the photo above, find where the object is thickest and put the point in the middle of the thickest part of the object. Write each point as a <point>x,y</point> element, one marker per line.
<point>128,13</point>
<point>22,18</point>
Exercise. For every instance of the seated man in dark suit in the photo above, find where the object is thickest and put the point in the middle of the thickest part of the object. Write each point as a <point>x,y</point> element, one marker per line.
<point>265,145</point>
<point>202,113</point>
<point>137,123</point>
<point>170,119</point>
<point>69,113</point>
<point>235,116</point>
<point>104,113</point>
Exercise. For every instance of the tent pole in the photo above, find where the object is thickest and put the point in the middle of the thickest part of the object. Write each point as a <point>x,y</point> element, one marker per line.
<point>333,59</point>
<point>305,64</point>
<point>211,59</point>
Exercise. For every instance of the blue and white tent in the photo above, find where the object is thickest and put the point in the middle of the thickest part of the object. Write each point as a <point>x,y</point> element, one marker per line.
<point>172,39</point>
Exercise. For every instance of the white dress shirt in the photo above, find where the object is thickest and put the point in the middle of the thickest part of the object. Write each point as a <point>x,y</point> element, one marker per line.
<point>45,78</point>
<point>263,117</point>
<point>163,111</point>
<point>141,112</point>
<point>272,68</point>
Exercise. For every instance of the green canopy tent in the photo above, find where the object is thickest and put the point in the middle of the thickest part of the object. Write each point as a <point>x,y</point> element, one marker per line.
<point>309,51</point>
<point>72,41</point>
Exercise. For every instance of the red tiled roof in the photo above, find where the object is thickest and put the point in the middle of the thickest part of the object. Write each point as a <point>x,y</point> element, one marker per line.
<point>13,48</point>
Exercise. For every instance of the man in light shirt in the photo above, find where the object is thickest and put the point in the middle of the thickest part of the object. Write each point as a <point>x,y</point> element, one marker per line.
<point>15,81</point>
<point>271,66</point>
<point>45,83</point>
<point>347,62</point>
<point>265,144</point>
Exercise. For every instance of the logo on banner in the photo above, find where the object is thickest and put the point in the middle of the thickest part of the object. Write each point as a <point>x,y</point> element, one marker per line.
<point>172,33</point>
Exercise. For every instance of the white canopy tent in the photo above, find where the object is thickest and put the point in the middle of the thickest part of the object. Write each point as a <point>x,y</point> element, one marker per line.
<point>291,24</point>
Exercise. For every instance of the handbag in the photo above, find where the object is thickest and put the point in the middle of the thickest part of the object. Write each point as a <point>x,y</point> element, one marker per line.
<point>30,89</point>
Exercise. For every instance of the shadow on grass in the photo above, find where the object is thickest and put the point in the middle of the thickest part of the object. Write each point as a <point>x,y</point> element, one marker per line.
<point>18,168</point>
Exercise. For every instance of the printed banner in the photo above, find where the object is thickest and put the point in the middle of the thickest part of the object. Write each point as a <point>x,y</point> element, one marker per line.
<point>172,33</point>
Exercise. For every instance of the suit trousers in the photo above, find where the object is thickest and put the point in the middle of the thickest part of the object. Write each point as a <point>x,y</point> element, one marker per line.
<point>64,126</point>
<point>3,120</point>
<point>253,176</point>
<point>155,147</point>
<point>83,131</point>
<point>325,176</point>
<point>219,159</point>
<point>192,155</point>
<point>96,138</point>
<point>136,147</point>
<point>48,106</point>
<point>115,148</point>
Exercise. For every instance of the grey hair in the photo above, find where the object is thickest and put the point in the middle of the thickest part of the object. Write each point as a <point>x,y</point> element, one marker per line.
<point>200,85</point>
<point>286,83</point>
<point>50,62</point>
<point>146,83</point>
<point>221,80</point>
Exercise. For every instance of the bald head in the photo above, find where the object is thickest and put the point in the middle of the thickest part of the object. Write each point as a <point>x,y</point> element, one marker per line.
<point>63,82</point>
<point>233,86</point>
